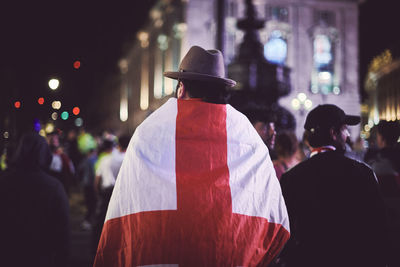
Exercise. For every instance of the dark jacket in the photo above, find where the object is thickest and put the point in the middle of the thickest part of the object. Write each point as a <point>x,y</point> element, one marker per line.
<point>336,213</point>
<point>34,225</point>
<point>386,165</point>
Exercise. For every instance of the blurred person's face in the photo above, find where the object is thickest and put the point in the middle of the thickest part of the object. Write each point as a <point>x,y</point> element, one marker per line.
<point>54,140</point>
<point>267,132</point>
<point>380,142</point>
<point>271,134</point>
<point>341,137</point>
<point>261,129</point>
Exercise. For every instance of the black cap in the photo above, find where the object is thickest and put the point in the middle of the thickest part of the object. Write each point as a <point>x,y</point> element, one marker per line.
<point>325,116</point>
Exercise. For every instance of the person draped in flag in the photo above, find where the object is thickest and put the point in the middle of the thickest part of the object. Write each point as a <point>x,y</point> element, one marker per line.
<point>337,215</point>
<point>197,186</point>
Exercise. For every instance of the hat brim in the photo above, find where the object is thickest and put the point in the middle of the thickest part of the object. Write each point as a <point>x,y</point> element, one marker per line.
<point>352,120</point>
<point>199,77</point>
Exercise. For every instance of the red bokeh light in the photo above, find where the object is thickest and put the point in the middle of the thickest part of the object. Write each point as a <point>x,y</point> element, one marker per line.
<point>40,100</point>
<point>77,64</point>
<point>76,110</point>
<point>17,104</point>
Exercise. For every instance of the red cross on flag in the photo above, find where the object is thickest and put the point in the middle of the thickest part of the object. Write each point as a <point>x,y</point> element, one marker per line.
<point>196,188</point>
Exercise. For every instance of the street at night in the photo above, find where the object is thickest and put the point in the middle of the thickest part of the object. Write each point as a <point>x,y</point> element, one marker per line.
<point>92,91</point>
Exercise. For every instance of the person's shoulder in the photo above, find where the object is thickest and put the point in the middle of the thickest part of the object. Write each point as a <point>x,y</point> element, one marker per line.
<point>239,128</point>
<point>296,171</point>
<point>159,120</point>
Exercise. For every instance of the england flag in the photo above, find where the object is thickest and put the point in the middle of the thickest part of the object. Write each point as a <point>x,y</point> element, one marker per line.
<point>196,188</point>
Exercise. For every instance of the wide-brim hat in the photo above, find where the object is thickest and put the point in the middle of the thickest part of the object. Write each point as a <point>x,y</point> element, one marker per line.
<point>328,115</point>
<point>202,65</point>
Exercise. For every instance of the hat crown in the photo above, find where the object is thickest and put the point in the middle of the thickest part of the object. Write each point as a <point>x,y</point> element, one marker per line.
<point>201,61</point>
<point>328,115</point>
<point>202,65</point>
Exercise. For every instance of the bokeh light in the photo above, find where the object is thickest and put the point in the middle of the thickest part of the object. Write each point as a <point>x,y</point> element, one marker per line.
<point>64,115</point>
<point>49,127</point>
<point>17,104</point>
<point>54,83</point>
<point>54,116</point>
<point>40,100</point>
<point>77,64</point>
<point>78,122</point>
<point>76,110</point>
<point>56,104</point>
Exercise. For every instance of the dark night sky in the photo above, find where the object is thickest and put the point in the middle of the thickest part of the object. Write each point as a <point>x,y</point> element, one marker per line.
<point>379,22</point>
<point>41,39</point>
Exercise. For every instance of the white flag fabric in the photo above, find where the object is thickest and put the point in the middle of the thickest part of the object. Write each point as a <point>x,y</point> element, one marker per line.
<point>196,188</point>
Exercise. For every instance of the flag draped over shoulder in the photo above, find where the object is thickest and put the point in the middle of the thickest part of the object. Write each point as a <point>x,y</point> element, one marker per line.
<point>196,188</point>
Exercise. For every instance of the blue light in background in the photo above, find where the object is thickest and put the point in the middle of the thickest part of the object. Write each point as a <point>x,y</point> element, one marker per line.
<point>275,50</point>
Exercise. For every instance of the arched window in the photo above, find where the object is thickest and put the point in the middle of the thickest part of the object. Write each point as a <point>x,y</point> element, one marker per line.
<point>324,77</point>
<point>323,74</point>
<point>275,50</point>
<point>323,65</point>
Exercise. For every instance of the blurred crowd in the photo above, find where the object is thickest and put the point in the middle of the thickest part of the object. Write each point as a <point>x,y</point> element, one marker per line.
<point>91,163</point>
<point>82,163</point>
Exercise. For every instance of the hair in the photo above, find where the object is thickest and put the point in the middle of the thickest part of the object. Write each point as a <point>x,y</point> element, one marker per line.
<point>256,113</point>
<point>107,145</point>
<point>286,144</point>
<point>123,141</point>
<point>321,136</point>
<point>390,131</point>
<point>211,92</point>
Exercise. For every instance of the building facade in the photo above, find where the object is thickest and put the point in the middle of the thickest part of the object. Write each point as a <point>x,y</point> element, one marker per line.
<point>316,39</point>
<point>383,87</point>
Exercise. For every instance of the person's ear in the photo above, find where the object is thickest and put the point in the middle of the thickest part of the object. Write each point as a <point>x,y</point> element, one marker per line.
<point>181,91</point>
<point>333,133</point>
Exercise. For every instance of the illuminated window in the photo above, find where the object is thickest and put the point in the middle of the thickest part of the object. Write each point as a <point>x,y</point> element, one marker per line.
<point>275,50</point>
<point>323,69</point>
<point>277,13</point>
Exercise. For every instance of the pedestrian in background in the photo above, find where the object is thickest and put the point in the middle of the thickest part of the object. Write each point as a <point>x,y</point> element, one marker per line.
<point>103,185</point>
<point>263,121</point>
<point>385,161</point>
<point>286,148</point>
<point>337,215</point>
<point>87,176</point>
<point>34,225</point>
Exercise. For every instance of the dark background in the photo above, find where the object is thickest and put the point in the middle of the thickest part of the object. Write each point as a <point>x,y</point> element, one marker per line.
<point>42,39</point>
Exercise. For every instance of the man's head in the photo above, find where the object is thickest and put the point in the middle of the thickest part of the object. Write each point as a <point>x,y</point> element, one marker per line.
<point>286,144</point>
<point>123,142</point>
<point>263,121</point>
<point>327,125</point>
<point>107,146</point>
<point>202,75</point>
<point>388,133</point>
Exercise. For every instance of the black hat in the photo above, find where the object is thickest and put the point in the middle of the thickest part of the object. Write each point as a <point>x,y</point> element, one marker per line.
<point>325,116</point>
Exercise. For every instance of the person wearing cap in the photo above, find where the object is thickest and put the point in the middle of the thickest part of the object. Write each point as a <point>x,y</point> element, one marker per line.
<point>197,186</point>
<point>337,215</point>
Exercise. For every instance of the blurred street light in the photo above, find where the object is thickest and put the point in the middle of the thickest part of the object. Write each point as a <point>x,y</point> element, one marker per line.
<point>54,116</point>
<point>77,64</point>
<point>49,127</point>
<point>54,83</point>
<point>17,104</point>
<point>76,110</point>
<point>40,100</point>
<point>56,104</point>
<point>301,103</point>
<point>64,115</point>
<point>78,122</point>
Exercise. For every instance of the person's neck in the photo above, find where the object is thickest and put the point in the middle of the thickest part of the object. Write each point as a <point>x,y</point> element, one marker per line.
<point>289,161</point>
